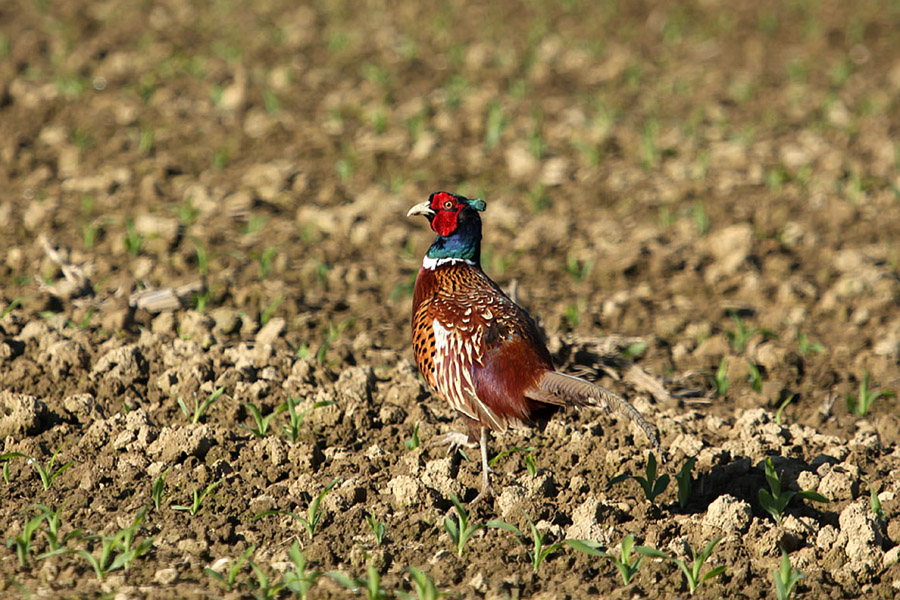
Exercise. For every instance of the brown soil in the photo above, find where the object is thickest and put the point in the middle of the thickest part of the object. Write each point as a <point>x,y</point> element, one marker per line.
<point>658,177</point>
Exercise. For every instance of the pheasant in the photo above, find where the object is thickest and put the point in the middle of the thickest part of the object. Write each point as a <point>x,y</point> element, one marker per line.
<point>477,348</point>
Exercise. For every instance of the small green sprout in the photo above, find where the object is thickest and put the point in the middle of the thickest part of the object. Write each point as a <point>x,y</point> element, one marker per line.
<point>461,530</point>
<point>11,307</point>
<point>314,511</point>
<point>754,378</point>
<point>806,347</point>
<point>269,311</point>
<point>121,546</point>
<point>692,572</point>
<point>50,474</point>
<point>413,442</point>
<point>775,500</point>
<point>262,423</point>
<point>721,378</point>
<point>292,429</point>
<point>133,240</point>
<point>685,482</point>
<point>159,485</point>
<point>741,334</point>
<point>377,527</point>
<point>197,499</point>
<point>300,581</point>
<point>786,577</point>
<point>859,405</point>
<point>371,584</point>
<point>265,589</point>
<point>54,522</point>
<point>22,542</point>
<point>200,408</point>
<point>782,406</point>
<point>7,458</point>
<point>875,502</point>
<point>539,551</point>
<point>423,585</point>
<point>528,459</point>
<point>229,579</point>
<point>652,485</point>
<point>701,217</point>
<point>627,566</point>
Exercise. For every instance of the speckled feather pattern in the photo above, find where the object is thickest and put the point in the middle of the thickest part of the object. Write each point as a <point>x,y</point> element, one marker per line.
<point>477,348</point>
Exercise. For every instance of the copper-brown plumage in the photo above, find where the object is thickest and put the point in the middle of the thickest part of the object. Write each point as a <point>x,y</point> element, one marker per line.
<point>476,347</point>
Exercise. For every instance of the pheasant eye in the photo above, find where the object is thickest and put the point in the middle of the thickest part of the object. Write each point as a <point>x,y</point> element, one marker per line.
<point>448,205</point>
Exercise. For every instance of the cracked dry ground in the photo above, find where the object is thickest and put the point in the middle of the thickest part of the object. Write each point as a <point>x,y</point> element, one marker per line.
<point>676,192</point>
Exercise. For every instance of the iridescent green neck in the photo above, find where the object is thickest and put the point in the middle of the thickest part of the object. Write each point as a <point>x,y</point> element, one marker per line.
<point>462,244</point>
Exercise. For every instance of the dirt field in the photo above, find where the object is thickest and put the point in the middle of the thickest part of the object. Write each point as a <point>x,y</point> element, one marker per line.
<point>700,203</point>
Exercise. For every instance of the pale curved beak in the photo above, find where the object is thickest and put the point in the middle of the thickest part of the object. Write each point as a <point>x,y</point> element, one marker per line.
<point>421,209</point>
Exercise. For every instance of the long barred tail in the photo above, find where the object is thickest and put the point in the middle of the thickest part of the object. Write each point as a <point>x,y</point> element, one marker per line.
<point>565,390</point>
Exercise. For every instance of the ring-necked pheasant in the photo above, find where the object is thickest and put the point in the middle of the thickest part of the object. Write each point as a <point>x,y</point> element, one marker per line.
<point>480,350</point>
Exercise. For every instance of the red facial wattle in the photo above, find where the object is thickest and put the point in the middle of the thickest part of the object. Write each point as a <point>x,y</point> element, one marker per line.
<point>447,209</point>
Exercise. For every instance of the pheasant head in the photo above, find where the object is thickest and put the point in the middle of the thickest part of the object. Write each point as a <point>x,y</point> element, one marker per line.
<point>455,220</point>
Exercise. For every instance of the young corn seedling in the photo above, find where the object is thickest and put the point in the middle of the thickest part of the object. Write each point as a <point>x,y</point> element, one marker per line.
<point>292,429</point>
<point>265,588</point>
<point>51,473</point>
<point>721,378</point>
<point>528,459</point>
<point>692,571</point>
<point>413,442</point>
<point>158,487</point>
<point>859,405</point>
<point>741,334</point>
<point>262,423</point>
<point>377,527</point>
<point>875,502</point>
<point>652,485</point>
<point>685,482</point>
<point>229,578</point>
<point>805,347</point>
<point>300,581</point>
<point>423,585</point>
<point>775,500</point>
<point>7,458</point>
<point>371,584</point>
<point>54,522</point>
<point>755,377</point>
<point>197,499</point>
<point>626,564</point>
<point>539,551</point>
<point>461,530</point>
<point>781,407</point>
<point>22,542</point>
<point>200,408</point>
<point>786,578</point>
<point>117,551</point>
<point>314,511</point>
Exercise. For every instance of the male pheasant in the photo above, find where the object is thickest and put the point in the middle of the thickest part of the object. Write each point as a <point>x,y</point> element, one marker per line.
<point>480,350</point>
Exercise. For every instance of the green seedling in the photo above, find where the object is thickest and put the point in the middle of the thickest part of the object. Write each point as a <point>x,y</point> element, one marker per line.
<point>262,423</point>
<point>413,442</point>
<point>634,350</point>
<point>685,482</point>
<point>806,347</point>
<point>692,571</point>
<point>652,485</point>
<point>116,552</point>
<point>7,458</point>
<point>22,542</point>
<point>229,579</point>
<point>334,332</point>
<point>54,522</point>
<point>461,530</point>
<point>300,581</point>
<point>159,485</point>
<point>874,502</point>
<point>539,551</point>
<point>423,585</point>
<point>528,459</point>
<point>781,407</point>
<point>11,307</point>
<point>197,499</point>
<point>786,578</point>
<point>741,334</point>
<point>377,527</point>
<point>626,564</point>
<point>775,500</point>
<point>860,404</point>
<point>51,473</point>
<point>701,218</point>
<point>265,589</point>
<point>754,378</point>
<point>202,257</point>
<point>721,378</point>
<point>495,122</point>
<point>133,240</point>
<point>314,511</point>
<point>292,429</point>
<point>200,408</point>
<point>577,269</point>
<point>265,261</point>
<point>269,311</point>
<point>371,584</point>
